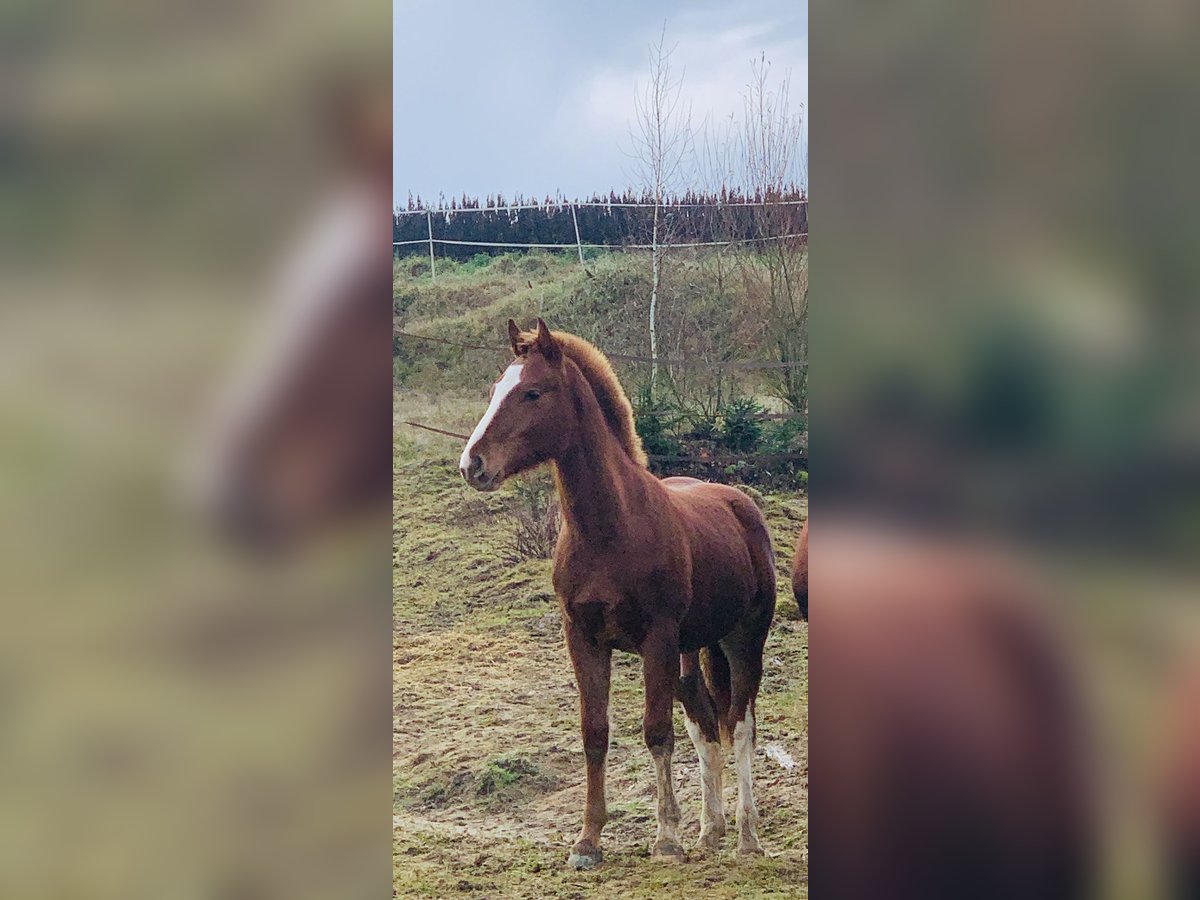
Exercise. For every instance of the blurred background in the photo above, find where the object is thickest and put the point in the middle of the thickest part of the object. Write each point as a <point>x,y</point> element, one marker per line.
<point>1004,358</point>
<point>194,203</point>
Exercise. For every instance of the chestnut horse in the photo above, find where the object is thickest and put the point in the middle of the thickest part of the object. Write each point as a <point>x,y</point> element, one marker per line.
<point>1178,784</point>
<point>676,570</point>
<point>800,572</point>
<point>953,755</point>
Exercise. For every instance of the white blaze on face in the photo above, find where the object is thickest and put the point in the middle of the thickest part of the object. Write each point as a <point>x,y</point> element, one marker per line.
<point>309,291</point>
<point>504,387</point>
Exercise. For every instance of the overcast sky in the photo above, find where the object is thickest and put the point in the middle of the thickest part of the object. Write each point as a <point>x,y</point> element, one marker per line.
<point>535,96</point>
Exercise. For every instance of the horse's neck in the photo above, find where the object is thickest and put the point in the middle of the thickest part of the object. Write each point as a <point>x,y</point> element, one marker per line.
<point>597,481</point>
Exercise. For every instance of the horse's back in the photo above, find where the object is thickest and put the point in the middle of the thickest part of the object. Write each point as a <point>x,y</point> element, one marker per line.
<point>682,481</point>
<point>722,517</point>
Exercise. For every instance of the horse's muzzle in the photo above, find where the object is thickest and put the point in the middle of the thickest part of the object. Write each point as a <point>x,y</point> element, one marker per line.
<point>477,476</point>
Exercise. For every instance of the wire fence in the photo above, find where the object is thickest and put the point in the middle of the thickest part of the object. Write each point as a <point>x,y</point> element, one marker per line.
<point>737,365</point>
<point>727,459</point>
<point>517,245</point>
<point>598,204</point>
<point>579,245</point>
<point>703,460</point>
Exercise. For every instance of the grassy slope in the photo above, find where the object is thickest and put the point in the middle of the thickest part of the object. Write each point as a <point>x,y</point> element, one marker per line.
<point>471,304</point>
<point>488,767</point>
<point>606,305</point>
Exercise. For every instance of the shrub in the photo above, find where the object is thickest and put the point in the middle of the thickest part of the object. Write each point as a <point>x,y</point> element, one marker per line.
<point>741,430</point>
<point>447,266</point>
<point>703,428</point>
<point>784,435</point>
<point>537,517</point>
<point>401,368</point>
<point>504,771</point>
<point>532,264</point>
<point>655,421</point>
<point>416,266</point>
<point>403,298</point>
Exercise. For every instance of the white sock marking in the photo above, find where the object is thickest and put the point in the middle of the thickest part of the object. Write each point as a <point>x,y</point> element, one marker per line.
<point>668,808</point>
<point>743,751</point>
<point>712,815</point>
<point>504,387</point>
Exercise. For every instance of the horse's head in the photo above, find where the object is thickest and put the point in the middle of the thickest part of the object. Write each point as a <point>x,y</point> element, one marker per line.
<point>526,422</point>
<point>301,439</point>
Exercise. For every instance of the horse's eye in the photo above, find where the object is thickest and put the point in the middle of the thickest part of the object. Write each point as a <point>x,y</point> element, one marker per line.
<point>532,395</point>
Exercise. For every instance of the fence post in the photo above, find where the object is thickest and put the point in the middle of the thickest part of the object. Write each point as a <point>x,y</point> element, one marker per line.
<point>432,266</point>
<point>578,243</point>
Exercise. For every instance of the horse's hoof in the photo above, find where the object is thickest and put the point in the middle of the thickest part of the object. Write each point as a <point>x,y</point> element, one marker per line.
<point>668,850</point>
<point>751,850</point>
<point>711,840</point>
<point>584,856</point>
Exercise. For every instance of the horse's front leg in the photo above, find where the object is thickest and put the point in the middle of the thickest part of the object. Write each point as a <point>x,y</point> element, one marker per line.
<point>660,665</point>
<point>593,666</point>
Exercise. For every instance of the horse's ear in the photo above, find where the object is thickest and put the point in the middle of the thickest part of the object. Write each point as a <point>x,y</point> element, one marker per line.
<point>514,337</point>
<point>546,342</point>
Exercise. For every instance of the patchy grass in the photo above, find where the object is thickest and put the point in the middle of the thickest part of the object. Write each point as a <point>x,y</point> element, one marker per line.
<point>487,758</point>
<point>433,863</point>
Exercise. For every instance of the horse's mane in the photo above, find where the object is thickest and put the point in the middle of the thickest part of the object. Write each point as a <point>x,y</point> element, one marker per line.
<point>599,374</point>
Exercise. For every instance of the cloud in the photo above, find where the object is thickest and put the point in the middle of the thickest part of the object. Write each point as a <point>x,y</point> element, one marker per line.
<point>713,53</point>
<point>538,98</point>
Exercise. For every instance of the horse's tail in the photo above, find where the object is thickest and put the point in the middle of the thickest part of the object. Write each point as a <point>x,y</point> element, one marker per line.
<point>715,667</point>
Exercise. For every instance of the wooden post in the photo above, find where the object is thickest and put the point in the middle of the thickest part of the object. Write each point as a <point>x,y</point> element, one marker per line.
<point>578,243</point>
<point>432,266</point>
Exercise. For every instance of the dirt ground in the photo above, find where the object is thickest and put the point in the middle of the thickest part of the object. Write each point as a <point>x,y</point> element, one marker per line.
<point>487,757</point>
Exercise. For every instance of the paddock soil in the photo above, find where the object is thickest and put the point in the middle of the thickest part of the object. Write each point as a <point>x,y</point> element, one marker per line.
<point>487,758</point>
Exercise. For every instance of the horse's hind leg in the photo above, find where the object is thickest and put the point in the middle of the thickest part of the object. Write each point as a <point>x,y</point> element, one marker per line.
<point>700,716</point>
<point>744,649</point>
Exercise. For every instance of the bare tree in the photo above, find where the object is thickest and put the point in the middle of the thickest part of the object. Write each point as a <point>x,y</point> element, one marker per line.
<point>760,152</point>
<point>661,136</point>
<point>772,133</point>
<point>773,151</point>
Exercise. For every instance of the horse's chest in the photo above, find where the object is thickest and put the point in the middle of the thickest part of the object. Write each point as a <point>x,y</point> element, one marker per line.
<point>618,608</point>
<point>621,625</point>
